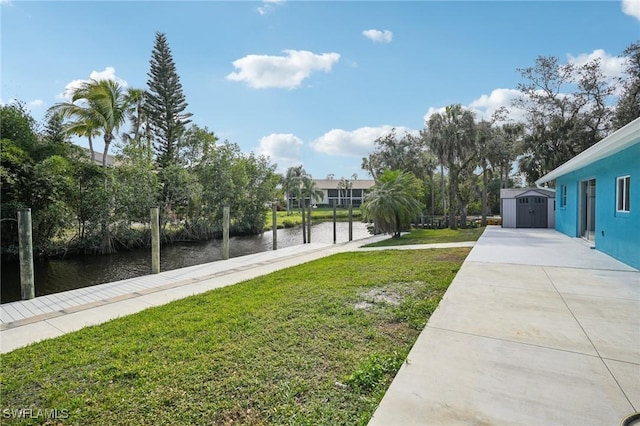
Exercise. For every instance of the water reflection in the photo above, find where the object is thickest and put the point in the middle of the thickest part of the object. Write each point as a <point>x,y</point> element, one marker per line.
<point>56,275</point>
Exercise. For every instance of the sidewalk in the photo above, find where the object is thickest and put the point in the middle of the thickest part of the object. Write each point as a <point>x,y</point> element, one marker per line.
<point>29,321</point>
<point>535,329</point>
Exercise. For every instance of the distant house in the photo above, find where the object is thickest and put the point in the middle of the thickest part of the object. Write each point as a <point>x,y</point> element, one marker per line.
<point>342,197</point>
<point>331,195</point>
<point>97,157</point>
<point>527,207</point>
<point>598,195</point>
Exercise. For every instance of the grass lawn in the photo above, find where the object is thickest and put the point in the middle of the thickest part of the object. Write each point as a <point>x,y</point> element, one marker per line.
<point>295,218</point>
<point>314,344</point>
<point>429,236</point>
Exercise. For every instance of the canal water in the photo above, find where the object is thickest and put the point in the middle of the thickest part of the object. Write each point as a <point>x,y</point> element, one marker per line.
<point>57,275</point>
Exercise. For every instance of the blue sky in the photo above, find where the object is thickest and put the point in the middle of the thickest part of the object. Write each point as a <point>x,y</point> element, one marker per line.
<point>312,83</point>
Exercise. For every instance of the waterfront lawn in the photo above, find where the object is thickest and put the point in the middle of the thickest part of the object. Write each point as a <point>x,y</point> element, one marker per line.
<point>430,236</point>
<point>317,343</point>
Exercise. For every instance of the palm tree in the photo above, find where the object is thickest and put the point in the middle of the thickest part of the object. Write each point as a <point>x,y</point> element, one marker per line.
<point>99,105</point>
<point>428,162</point>
<point>291,183</point>
<point>342,186</point>
<point>354,177</point>
<point>310,189</point>
<point>437,146</point>
<point>392,202</point>
<point>485,136</point>
<point>84,127</point>
<point>135,99</point>
<point>452,137</point>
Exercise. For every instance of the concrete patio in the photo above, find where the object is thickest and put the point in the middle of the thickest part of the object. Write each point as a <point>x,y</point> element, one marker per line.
<point>536,329</point>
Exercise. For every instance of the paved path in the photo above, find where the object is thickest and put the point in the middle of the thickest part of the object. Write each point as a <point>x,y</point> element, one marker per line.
<point>29,321</point>
<point>535,329</point>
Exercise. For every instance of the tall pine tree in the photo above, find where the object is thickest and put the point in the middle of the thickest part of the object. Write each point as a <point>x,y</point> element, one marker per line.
<point>165,103</point>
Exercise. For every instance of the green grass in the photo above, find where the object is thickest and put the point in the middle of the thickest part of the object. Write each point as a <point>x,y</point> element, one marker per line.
<point>430,236</point>
<point>295,218</point>
<point>314,344</point>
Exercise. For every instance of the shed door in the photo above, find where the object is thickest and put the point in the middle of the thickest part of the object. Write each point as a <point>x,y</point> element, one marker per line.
<point>531,212</point>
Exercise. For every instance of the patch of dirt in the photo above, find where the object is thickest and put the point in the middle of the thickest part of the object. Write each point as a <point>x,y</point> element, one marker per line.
<point>392,294</point>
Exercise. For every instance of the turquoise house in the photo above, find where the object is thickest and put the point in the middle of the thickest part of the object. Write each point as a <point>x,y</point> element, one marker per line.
<point>598,195</point>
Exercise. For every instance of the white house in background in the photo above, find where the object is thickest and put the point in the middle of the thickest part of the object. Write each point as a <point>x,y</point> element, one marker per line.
<point>97,157</point>
<point>356,192</point>
<point>332,195</point>
<point>527,207</point>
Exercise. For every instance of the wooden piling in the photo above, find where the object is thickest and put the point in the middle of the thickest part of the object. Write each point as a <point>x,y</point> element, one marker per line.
<point>304,228</point>
<point>309,224</point>
<point>225,232</point>
<point>25,247</point>
<point>274,225</point>
<point>350,222</point>
<point>155,240</point>
<point>334,222</point>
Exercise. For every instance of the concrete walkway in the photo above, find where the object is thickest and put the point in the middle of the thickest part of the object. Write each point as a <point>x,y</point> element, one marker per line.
<point>29,321</point>
<point>536,329</point>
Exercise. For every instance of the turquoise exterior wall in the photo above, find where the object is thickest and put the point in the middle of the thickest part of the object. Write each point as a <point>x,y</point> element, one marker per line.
<point>617,233</point>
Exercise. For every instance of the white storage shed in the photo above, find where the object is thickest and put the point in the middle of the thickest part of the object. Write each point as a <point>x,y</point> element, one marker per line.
<point>527,207</point>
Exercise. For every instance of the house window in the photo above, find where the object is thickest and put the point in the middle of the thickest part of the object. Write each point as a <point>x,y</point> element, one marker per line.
<point>622,191</point>
<point>563,196</point>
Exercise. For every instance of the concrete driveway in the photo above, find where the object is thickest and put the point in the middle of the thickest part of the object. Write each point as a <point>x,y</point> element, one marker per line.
<point>536,329</point>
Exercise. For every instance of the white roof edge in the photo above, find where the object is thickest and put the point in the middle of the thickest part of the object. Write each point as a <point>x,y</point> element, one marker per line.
<point>615,142</point>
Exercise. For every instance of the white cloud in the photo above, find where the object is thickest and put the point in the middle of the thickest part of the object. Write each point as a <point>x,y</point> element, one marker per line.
<point>109,73</point>
<point>486,105</point>
<point>611,66</point>
<point>268,6</point>
<point>355,143</point>
<point>282,148</point>
<point>631,8</point>
<point>5,2</point>
<point>35,103</point>
<point>288,72</point>
<point>384,36</point>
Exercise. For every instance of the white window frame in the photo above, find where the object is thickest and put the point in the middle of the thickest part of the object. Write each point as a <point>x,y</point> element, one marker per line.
<point>623,184</point>
<point>563,196</point>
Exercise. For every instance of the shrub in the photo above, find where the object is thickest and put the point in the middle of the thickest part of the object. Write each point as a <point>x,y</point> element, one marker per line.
<point>288,223</point>
<point>374,372</point>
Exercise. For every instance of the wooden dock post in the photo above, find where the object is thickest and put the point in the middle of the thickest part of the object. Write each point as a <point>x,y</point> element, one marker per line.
<point>334,221</point>
<point>25,244</point>
<point>274,224</point>
<point>155,240</point>
<point>225,232</point>
<point>304,228</point>
<point>350,221</point>
<point>309,223</point>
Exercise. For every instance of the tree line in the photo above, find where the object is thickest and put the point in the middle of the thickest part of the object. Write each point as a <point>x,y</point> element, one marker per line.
<point>455,166</point>
<point>81,205</point>
<point>462,162</point>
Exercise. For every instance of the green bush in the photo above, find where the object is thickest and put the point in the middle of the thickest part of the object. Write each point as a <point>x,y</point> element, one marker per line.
<point>374,372</point>
<point>288,223</point>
